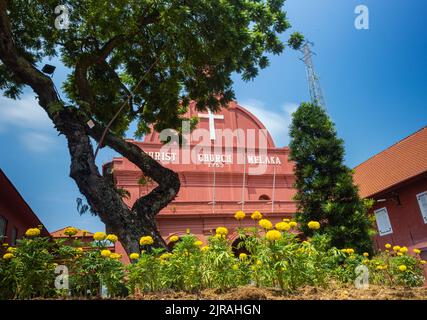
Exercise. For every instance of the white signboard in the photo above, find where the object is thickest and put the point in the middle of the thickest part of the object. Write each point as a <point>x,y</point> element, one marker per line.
<point>383,221</point>
<point>422,201</point>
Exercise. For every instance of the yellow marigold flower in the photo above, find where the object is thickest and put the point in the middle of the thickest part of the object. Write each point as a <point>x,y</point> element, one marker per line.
<point>387,251</point>
<point>112,238</point>
<point>283,226</point>
<point>198,243</point>
<point>258,262</point>
<point>11,249</point>
<point>79,249</point>
<point>388,246</point>
<point>219,236</point>
<point>416,251</point>
<point>273,235</point>
<point>293,224</point>
<point>134,256</point>
<point>365,254</point>
<point>165,256</point>
<point>256,215</point>
<point>422,261</point>
<point>235,267</point>
<point>99,236</point>
<point>400,254</point>
<point>243,256</point>
<point>403,249</point>
<point>402,268</point>
<point>115,256</point>
<point>70,231</point>
<point>222,231</point>
<point>205,249</point>
<point>240,215</point>
<point>174,239</point>
<point>314,225</point>
<point>396,248</point>
<point>5,244</point>
<point>286,220</point>
<point>146,240</point>
<point>8,256</point>
<point>350,251</point>
<point>379,267</point>
<point>105,253</point>
<point>366,261</point>
<point>265,224</point>
<point>32,232</point>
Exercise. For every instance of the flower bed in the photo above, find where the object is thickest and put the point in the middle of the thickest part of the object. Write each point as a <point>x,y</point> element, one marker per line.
<point>274,260</point>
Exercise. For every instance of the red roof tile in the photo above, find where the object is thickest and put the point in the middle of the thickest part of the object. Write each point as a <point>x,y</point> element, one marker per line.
<point>400,162</point>
<point>60,233</point>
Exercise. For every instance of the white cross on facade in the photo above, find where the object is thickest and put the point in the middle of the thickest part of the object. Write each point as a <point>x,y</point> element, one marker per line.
<point>211,118</point>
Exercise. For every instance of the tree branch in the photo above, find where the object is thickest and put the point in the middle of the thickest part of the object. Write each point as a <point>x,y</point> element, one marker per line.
<point>167,180</point>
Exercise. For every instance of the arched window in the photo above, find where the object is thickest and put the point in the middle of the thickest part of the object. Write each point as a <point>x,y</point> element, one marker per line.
<point>238,249</point>
<point>3,223</point>
<point>264,197</point>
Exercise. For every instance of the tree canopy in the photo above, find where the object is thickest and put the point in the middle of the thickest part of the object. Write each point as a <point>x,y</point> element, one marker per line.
<point>135,60</point>
<point>161,53</point>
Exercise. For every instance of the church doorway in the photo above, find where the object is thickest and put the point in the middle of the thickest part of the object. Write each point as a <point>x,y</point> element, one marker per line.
<point>239,248</point>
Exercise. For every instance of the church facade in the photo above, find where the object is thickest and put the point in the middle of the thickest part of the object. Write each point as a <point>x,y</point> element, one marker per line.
<point>228,163</point>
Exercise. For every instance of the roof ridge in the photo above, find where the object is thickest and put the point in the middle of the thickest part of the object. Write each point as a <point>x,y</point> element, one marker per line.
<point>391,146</point>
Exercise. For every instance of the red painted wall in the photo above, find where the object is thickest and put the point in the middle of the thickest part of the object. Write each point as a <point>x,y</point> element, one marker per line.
<point>406,220</point>
<point>15,210</point>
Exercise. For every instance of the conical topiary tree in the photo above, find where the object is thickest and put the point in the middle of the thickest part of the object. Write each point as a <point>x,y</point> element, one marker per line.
<point>325,189</point>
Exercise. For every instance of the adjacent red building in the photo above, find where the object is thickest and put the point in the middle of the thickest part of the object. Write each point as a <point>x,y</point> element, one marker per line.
<point>396,179</point>
<point>16,216</point>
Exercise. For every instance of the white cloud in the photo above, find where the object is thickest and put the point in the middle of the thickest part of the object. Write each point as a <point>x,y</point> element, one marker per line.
<point>24,113</point>
<point>38,142</point>
<point>276,122</point>
<point>29,121</point>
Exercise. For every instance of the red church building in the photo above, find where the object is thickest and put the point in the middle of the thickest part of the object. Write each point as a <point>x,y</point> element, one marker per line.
<point>16,216</point>
<point>396,179</point>
<point>253,174</point>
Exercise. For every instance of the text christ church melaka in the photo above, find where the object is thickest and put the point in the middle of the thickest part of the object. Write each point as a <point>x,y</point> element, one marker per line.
<point>215,185</point>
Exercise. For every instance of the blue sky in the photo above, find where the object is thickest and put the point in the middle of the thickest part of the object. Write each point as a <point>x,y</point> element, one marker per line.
<point>374,82</point>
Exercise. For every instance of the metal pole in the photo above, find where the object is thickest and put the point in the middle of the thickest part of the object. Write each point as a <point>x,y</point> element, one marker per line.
<point>274,189</point>
<point>213,189</point>
<point>244,182</point>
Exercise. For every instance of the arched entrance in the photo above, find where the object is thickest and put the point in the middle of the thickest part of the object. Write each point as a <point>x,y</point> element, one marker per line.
<point>238,248</point>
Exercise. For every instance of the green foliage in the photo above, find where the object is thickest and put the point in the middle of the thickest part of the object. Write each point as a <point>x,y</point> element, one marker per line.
<point>296,40</point>
<point>325,189</point>
<point>31,273</point>
<point>165,52</point>
<point>90,270</point>
<point>285,263</point>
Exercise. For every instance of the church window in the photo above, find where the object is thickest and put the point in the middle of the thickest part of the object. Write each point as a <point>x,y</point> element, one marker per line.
<point>14,236</point>
<point>422,202</point>
<point>383,222</point>
<point>3,223</point>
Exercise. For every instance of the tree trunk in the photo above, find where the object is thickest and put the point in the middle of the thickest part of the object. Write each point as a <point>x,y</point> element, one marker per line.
<point>129,224</point>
